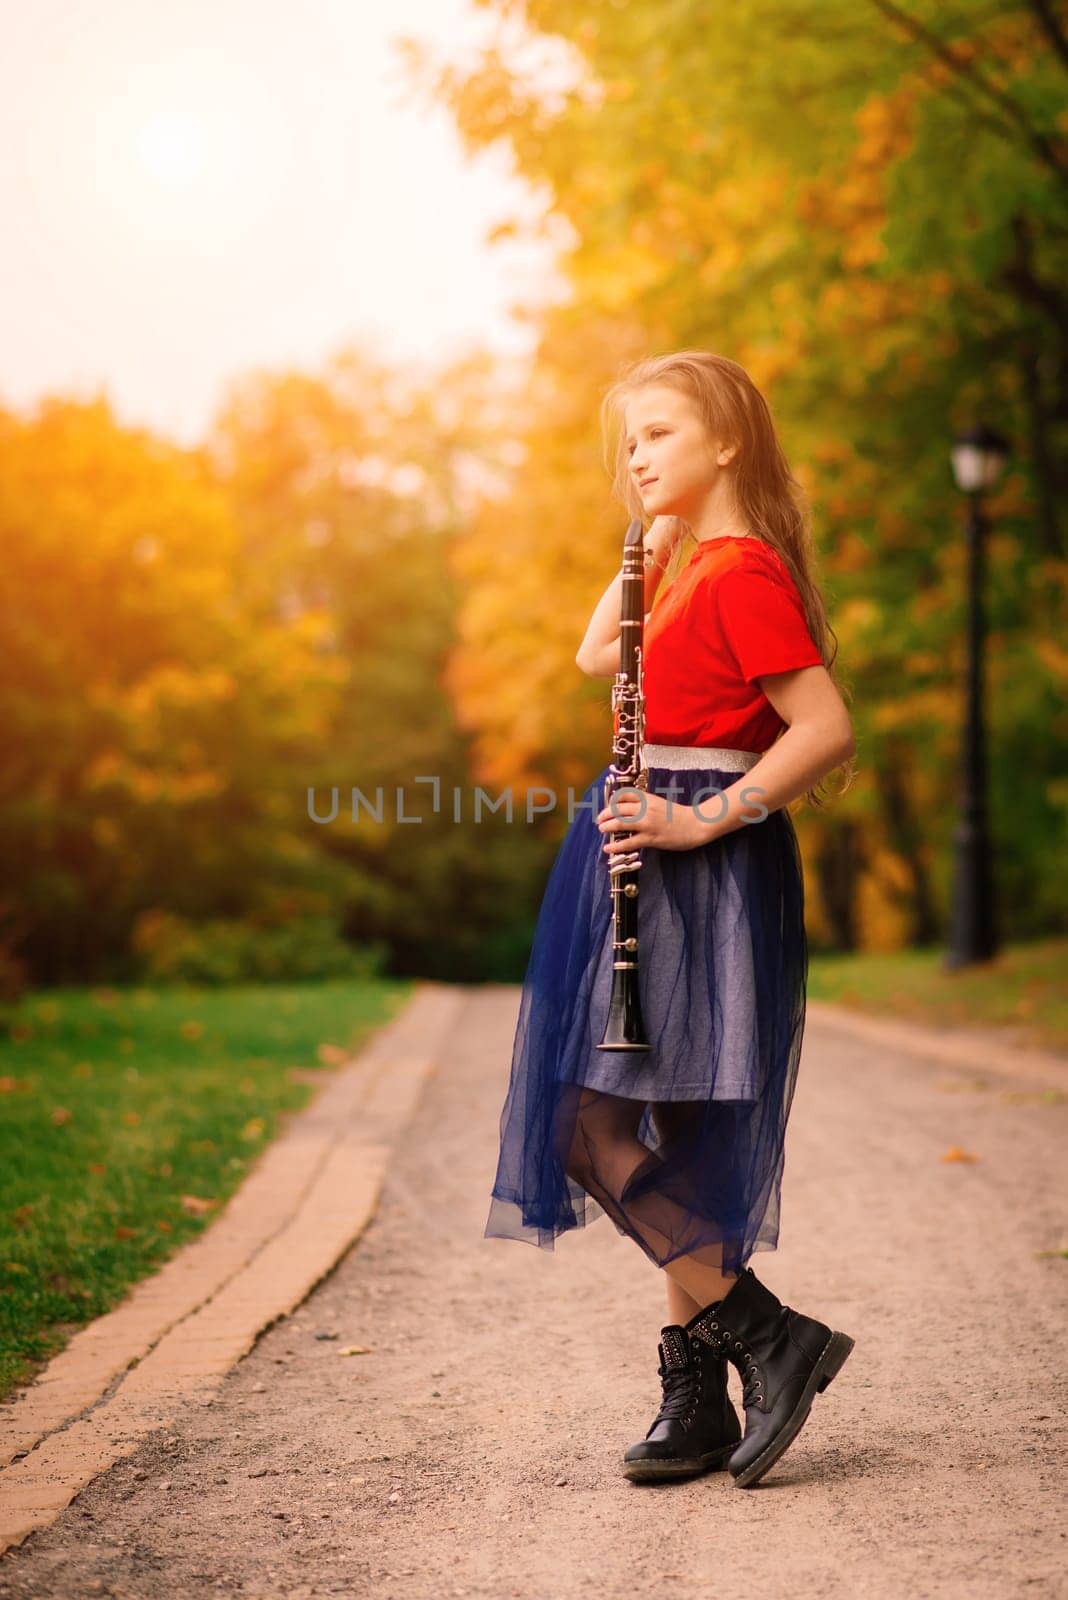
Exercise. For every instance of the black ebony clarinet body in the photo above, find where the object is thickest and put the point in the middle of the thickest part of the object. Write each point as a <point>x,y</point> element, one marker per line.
<point>624,1029</point>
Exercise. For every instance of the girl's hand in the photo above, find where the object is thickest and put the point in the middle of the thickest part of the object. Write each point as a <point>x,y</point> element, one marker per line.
<point>647,815</point>
<point>663,534</point>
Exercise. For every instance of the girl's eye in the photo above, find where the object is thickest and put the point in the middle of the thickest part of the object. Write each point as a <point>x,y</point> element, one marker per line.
<point>652,434</point>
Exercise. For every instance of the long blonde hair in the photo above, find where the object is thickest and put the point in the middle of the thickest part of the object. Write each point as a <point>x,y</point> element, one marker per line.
<point>767,494</point>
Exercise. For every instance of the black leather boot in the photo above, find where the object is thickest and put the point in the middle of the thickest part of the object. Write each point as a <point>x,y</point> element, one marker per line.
<point>697,1427</point>
<point>785,1360</point>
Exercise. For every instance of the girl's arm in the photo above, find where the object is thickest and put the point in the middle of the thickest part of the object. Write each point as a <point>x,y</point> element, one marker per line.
<point>818,737</point>
<point>599,654</point>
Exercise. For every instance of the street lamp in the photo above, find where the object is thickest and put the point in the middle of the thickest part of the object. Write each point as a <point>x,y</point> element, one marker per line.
<point>979,458</point>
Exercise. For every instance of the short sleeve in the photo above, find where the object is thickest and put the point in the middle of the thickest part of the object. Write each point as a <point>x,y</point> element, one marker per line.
<point>763,623</point>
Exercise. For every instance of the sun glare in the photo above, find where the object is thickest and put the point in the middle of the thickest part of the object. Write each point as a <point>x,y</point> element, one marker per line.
<point>172,147</point>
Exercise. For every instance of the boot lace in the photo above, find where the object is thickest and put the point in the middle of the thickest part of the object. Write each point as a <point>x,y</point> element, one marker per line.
<point>680,1386</point>
<point>752,1388</point>
<point>752,1384</point>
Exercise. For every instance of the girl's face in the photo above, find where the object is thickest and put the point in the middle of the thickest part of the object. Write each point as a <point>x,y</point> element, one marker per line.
<point>674,463</point>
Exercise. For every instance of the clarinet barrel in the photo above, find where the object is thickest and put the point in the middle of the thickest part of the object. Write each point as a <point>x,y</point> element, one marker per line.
<point>624,1029</point>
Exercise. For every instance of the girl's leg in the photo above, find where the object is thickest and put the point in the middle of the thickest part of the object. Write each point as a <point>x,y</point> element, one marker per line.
<point>681,1307</point>
<point>605,1155</point>
<point>699,1273</point>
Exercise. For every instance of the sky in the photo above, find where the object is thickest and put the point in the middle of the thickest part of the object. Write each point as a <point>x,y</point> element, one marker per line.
<point>190,191</point>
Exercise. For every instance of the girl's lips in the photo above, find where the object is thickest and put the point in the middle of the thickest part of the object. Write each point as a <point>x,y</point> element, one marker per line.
<point>646,482</point>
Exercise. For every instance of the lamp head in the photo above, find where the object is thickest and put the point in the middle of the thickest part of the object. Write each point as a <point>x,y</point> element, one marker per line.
<point>979,458</point>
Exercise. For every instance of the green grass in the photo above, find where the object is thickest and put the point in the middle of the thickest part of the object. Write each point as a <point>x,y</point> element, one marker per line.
<point>1022,990</point>
<point>127,1118</point>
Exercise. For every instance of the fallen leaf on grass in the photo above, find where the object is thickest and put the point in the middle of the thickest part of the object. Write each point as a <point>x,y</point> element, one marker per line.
<point>195,1205</point>
<point>331,1054</point>
<point>60,1115</point>
<point>13,1085</point>
<point>123,1232</point>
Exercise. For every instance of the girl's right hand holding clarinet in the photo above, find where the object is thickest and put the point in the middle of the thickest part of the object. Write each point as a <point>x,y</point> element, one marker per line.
<point>661,537</point>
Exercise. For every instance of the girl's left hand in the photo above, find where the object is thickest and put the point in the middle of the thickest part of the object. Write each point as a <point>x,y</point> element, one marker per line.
<point>647,815</point>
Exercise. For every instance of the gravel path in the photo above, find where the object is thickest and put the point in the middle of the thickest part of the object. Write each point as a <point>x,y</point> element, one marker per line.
<point>474,1449</point>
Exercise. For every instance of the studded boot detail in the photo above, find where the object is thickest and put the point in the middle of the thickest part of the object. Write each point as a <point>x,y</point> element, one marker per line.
<point>785,1360</point>
<point>697,1427</point>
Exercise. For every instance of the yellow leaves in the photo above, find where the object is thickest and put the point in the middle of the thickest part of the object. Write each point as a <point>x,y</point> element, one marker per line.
<point>130,1119</point>
<point>191,1029</point>
<point>195,1206</point>
<point>61,1116</point>
<point>254,1129</point>
<point>956,1154</point>
<point>15,1085</point>
<point>854,617</point>
<point>937,705</point>
<point>148,785</point>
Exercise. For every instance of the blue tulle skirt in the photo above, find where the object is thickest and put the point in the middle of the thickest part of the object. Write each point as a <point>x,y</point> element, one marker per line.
<point>681,1145</point>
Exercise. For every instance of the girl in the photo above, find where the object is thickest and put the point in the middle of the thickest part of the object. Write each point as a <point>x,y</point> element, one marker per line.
<point>682,1144</point>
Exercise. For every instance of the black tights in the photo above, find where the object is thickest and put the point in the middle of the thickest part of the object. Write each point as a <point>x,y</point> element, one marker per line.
<point>648,1195</point>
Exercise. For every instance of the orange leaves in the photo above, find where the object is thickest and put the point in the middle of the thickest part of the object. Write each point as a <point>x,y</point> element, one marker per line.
<point>331,1055</point>
<point>884,123</point>
<point>956,1154</point>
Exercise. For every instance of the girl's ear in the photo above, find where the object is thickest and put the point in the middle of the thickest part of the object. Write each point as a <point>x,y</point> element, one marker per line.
<point>726,454</point>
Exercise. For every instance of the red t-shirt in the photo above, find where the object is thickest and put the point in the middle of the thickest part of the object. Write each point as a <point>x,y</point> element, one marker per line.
<point>730,615</point>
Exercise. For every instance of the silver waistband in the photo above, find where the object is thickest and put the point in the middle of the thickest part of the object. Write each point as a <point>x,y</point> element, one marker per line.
<point>699,756</point>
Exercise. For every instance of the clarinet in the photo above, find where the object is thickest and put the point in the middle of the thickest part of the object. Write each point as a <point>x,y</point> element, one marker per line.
<point>624,1029</point>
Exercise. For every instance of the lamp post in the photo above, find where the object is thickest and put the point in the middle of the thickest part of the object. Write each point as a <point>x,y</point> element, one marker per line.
<point>979,458</point>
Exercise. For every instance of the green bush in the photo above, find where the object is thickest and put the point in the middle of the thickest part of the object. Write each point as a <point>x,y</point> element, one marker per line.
<point>170,948</point>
